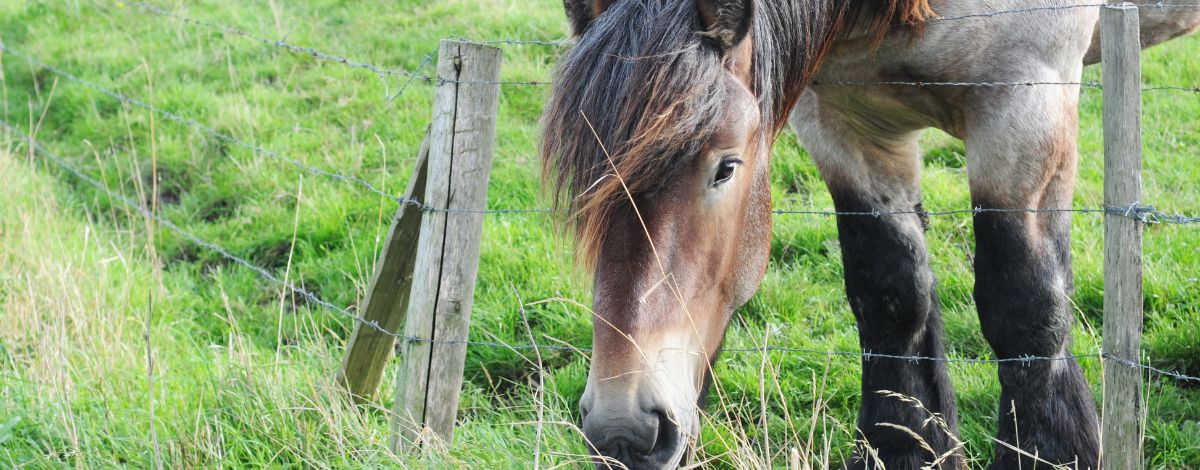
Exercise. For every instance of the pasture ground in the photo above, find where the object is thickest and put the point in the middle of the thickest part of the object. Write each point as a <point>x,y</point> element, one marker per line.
<point>241,372</point>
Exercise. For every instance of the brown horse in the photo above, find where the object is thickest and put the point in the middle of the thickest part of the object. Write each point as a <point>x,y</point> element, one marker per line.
<point>657,141</point>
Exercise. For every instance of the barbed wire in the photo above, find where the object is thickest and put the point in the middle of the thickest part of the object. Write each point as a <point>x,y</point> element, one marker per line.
<point>515,42</point>
<point>940,19</point>
<point>1053,8</point>
<point>162,221</point>
<point>1189,89</point>
<point>934,84</point>
<point>1137,211</point>
<point>1174,375</point>
<point>1192,89</point>
<point>1090,85</point>
<point>1147,214</point>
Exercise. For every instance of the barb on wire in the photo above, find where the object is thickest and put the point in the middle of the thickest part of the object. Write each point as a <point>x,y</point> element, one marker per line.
<point>306,294</point>
<point>206,129</point>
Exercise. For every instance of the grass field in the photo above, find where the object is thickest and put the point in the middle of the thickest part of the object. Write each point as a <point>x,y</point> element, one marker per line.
<point>241,372</point>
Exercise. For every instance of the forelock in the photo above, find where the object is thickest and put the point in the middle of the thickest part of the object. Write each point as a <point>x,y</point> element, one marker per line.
<point>633,102</point>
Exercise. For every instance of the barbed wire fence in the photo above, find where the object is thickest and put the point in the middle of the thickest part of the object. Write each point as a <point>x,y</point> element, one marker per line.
<point>1142,213</point>
<point>64,164</point>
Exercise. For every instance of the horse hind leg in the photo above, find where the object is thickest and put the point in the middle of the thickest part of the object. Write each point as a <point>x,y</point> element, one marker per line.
<point>1021,154</point>
<point>890,286</point>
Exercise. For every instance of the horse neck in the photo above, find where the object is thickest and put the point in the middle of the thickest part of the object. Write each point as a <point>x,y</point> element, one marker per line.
<point>793,36</point>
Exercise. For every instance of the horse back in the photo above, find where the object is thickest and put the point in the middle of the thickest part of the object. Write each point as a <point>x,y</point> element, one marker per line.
<point>1159,25</point>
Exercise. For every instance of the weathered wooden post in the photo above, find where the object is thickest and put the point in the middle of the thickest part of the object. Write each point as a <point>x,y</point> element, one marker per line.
<point>1121,447</point>
<point>439,310</point>
<point>369,349</point>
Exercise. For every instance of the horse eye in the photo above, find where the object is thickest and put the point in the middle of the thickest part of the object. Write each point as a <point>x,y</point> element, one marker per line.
<point>725,171</point>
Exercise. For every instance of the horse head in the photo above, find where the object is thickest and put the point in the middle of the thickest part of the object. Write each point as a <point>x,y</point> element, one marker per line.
<point>656,144</point>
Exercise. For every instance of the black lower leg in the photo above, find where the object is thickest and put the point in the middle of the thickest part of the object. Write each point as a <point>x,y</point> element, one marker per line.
<point>1046,408</point>
<point>891,291</point>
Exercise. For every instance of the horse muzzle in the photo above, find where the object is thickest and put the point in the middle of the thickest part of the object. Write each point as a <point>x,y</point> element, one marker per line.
<point>632,424</point>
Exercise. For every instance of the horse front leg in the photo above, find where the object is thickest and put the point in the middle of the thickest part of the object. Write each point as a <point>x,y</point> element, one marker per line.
<point>1024,156</point>
<point>891,290</point>
<point>890,287</point>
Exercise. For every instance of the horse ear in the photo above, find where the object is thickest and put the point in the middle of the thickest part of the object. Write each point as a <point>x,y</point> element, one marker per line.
<point>581,13</point>
<point>725,22</point>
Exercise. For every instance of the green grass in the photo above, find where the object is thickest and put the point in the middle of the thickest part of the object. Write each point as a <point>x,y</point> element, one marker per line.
<point>242,374</point>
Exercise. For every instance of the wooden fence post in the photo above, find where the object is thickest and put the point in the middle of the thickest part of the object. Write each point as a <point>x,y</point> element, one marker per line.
<point>386,304</point>
<point>1121,49</point>
<point>463,135</point>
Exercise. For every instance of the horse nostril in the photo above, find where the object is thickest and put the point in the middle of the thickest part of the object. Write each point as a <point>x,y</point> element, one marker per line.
<point>666,439</point>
